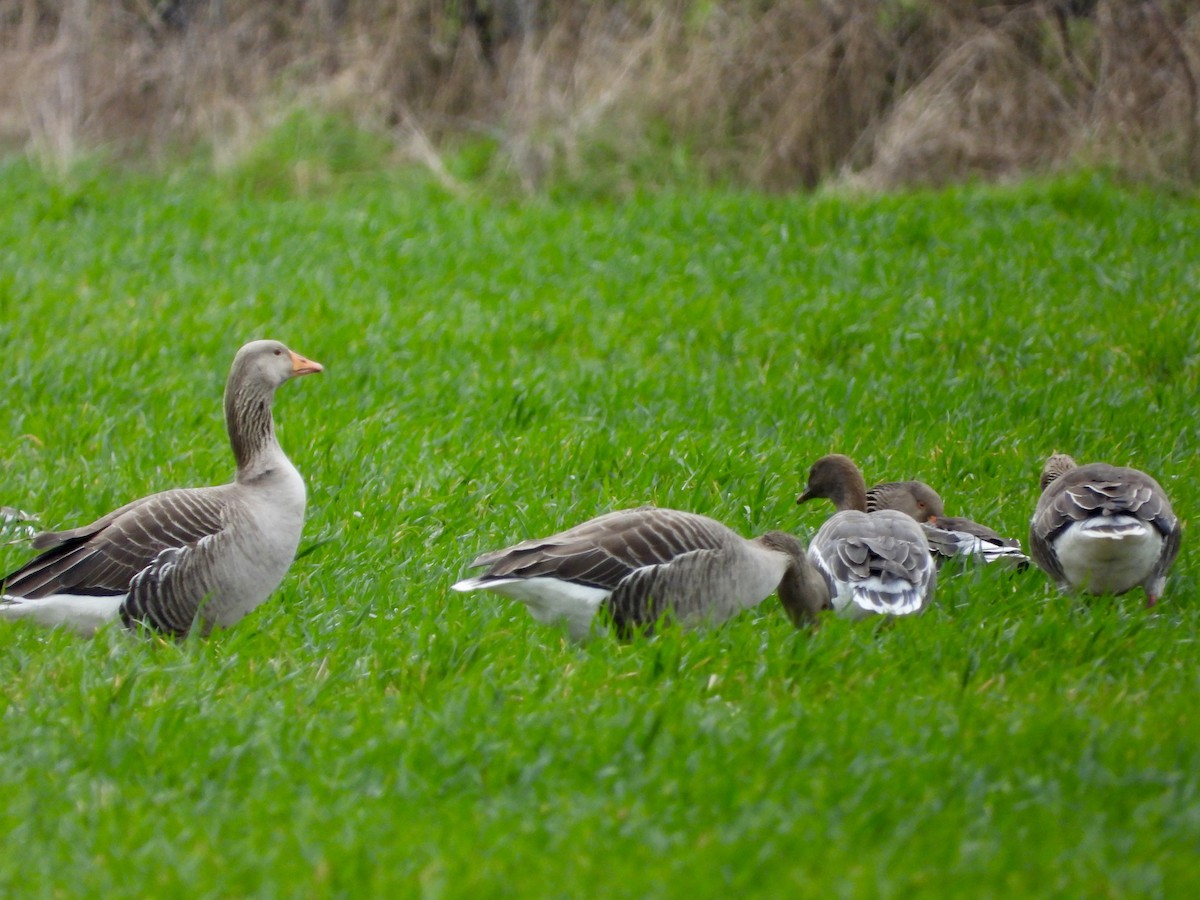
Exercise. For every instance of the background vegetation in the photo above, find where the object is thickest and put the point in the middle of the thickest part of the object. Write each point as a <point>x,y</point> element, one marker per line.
<point>531,94</point>
<point>519,236</point>
<point>499,369</point>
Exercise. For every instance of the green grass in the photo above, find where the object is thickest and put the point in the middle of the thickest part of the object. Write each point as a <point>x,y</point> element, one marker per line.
<point>496,371</point>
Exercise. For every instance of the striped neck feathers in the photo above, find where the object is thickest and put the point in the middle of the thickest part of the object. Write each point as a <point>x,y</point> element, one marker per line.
<point>250,424</point>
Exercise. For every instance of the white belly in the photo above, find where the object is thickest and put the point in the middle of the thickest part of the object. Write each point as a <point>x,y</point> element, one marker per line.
<point>549,600</point>
<point>1108,555</point>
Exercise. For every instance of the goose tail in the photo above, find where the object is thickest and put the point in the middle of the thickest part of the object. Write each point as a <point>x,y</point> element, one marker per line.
<point>81,614</point>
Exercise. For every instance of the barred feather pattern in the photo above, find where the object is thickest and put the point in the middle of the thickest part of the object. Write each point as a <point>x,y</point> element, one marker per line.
<point>195,554</point>
<point>652,563</point>
<point>1114,507</point>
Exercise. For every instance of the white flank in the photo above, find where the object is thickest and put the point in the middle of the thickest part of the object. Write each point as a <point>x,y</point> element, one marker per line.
<point>81,614</point>
<point>1108,555</point>
<point>549,600</point>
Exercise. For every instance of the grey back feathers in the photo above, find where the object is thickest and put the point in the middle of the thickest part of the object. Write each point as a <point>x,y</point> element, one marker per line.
<point>641,564</point>
<point>949,537</point>
<point>172,559</point>
<point>872,562</point>
<point>1103,529</point>
<point>955,537</point>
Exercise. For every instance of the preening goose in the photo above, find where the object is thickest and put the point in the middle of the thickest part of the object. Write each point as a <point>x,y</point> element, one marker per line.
<point>949,537</point>
<point>913,498</point>
<point>207,555</point>
<point>641,563</point>
<point>1103,529</point>
<point>872,562</point>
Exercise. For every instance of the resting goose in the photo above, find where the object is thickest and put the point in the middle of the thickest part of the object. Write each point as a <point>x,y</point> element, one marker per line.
<point>207,554</point>
<point>872,562</point>
<point>640,563</point>
<point>949,537</point>
<point>1103,529</point>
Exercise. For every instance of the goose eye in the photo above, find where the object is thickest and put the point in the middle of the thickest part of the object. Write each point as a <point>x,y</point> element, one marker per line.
<point>278,352</point>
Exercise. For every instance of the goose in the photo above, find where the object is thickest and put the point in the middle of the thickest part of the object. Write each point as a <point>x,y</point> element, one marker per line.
<point>204,555</point>
<point>949,537</point>
<point>638,564</point>
<point>1103,529</point>
<point>872,562</point>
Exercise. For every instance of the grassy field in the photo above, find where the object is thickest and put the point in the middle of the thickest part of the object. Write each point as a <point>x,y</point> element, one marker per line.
<point>495,371</point>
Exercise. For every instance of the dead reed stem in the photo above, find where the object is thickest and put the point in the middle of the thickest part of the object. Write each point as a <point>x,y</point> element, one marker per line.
<point>781,95</point>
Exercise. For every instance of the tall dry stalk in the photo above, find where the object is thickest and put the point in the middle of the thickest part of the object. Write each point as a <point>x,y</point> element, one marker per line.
<point>779,95</point>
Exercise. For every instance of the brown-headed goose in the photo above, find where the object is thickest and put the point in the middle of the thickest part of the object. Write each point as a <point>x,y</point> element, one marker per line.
<point>207,555</point>
<point>639,564</point>
<point>950,537</point>
<point>872,562</point>
<point>1103,529</point>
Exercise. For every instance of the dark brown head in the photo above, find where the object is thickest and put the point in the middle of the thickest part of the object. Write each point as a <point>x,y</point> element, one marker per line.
<point>1056,466</point>
<point>836,477</point>
<point>913,498</point>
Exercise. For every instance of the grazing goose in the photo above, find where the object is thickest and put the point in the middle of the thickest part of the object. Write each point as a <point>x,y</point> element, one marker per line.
<point>1103,529</point>
<point>641,563</point>
<point>949,537</point>
<point>872,562</point>
<point>207,554</point>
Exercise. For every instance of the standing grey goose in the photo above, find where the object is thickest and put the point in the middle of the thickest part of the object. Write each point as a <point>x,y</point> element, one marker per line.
<point>641,563</point>
<point>207,554</point>
<point>949,537</point>
<point>872,562</point>
<point>1103,529</point>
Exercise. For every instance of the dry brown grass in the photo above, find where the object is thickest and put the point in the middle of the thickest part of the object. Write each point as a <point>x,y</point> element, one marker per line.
<point>782,95</point>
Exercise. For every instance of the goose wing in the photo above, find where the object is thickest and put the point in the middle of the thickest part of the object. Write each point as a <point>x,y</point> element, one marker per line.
<point>105,557</point>
<point>605,551</point>
<point>878,561</point>
<point>1099,490</point>
<point>955,536</point>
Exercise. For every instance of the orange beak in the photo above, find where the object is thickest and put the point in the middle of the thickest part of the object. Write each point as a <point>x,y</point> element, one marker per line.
<point>302,366</point>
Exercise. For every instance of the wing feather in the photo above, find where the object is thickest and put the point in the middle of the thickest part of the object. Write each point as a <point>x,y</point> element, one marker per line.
<point>104,557</point>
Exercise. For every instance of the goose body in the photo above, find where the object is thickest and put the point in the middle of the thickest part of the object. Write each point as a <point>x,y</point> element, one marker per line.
<point>1103,529</point>
<point>172,559</point>
<point>949,537</point>
<point>872,562</point>
<point>954,537</point>
<point>639,564</point>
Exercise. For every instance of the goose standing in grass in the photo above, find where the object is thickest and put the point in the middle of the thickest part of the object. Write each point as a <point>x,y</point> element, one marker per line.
<point>1103,529</point>
<point>639,564</point>
<point>872,562</point>
<point>207,555</point>
<point>949,537</point>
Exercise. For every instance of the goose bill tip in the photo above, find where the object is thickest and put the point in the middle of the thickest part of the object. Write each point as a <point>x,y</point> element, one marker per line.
<point>303,366</point>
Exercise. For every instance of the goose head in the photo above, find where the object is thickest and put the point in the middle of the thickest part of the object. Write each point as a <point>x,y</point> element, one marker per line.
<point>836,477</point>
<point>1056,466</point>
<point>915,499</point>
<point>270,364</point>
<point>258,369</point>
<point>803,593</point>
